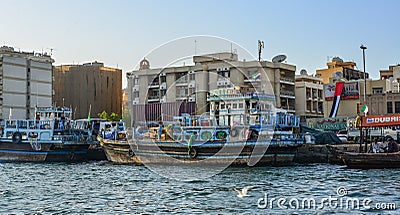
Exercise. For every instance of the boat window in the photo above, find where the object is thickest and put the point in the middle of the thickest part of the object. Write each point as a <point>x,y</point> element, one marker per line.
<point>234,106</point>
<point>240,105</point>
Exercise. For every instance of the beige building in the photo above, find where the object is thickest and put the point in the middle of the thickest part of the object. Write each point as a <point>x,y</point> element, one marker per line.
<point>90,84</point>
<point>376,93</point>
<point>338,66</point>
<point>309,96</point>
<point>393,71</point>
<point>25,82</point>
<point>192,83</point>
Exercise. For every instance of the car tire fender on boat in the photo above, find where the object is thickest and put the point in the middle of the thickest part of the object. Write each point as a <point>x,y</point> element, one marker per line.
<point>192,153</point>
<point>17,137</point>
<point>234,132</point>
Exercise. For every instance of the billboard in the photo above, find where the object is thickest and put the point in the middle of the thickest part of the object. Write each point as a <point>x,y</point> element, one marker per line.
<point>350,91</point>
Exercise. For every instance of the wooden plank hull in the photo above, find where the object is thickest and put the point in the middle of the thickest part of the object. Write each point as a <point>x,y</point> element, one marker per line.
<point>209,153</point>
<point>371,160</point>
<point>319,153</point>
<point>118,152</point>
<point>52,151</point>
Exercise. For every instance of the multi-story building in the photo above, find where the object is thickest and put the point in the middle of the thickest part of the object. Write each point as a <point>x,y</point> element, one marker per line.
<point>88,85</point>
<point>379,93</point>
<point>393,71</point>
<point>25,82</point>
<point>192,83</point>
<point>337,66</point>
<point>309,96</point>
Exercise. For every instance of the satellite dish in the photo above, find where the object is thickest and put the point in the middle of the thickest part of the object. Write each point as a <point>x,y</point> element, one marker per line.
<point>303,72</point>
<point>279,58</point>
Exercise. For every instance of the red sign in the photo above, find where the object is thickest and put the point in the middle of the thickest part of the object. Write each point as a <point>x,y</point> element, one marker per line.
<point>381,121</point>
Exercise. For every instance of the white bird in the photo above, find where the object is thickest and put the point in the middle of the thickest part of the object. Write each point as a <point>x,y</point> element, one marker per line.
<point>242,193</point>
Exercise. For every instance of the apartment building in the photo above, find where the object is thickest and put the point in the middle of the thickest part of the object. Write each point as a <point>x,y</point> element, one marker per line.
<point>309,96</point>
<point>338,66</point>
<point>192,83</point>
<point>25,82</point>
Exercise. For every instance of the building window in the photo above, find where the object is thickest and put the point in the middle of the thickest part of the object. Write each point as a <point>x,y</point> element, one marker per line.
<point>389,107</point>
<point>136,94</point>
<point>377,90</point>
<point>397,107</point>
<point>136,81</point>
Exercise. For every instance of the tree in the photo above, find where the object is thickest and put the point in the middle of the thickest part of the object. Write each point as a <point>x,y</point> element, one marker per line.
<point>113,117</point>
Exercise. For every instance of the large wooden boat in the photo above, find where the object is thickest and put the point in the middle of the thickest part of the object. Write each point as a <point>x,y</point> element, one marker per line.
<point>242,128</point>
<point>49,137</point>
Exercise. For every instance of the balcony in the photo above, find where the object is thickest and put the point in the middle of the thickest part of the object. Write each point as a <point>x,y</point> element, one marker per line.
<point>181,82</point>
<point>287,94</point>
<point>285,80</point>
<point>154,85</point>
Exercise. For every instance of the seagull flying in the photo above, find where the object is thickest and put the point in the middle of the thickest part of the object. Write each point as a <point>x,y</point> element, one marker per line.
<point>242,193</point>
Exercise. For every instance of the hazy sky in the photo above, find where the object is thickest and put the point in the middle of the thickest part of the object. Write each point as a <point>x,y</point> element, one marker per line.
<point>122,32</point>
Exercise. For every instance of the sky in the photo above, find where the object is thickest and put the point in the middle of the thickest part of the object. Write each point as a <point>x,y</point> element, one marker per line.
<point>120,33</point>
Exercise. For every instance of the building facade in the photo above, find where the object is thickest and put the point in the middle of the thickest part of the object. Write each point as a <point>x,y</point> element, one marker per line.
<point>25,82</point>
<point>393,71</point>
<point>88,86</point>
<point>345,69</point>
<point>309,96</point>
<point>220,70</point>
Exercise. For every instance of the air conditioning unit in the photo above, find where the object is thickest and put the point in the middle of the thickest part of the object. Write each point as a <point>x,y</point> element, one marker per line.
<point>226,69</point>
<point>220,83</point>
<point>163,74</point>
<point>163,100</point>
<point>192,99</point>
<point>192,85</point>
<point>190,72</point>
<point>219,69</point>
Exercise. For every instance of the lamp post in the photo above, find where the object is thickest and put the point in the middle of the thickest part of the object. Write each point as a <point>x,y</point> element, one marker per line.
<point>365,101</point>
<point>365,80</point>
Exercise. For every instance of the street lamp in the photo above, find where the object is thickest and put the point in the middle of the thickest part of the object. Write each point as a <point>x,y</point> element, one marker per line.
<point>365,101</point>
<point>365,80</point>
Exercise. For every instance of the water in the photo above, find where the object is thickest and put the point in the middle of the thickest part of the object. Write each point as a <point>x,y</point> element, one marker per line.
<point>101,188</point>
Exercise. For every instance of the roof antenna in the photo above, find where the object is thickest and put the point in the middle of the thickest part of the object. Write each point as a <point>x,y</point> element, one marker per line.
<point>195,47</point>
<point>260,47</point>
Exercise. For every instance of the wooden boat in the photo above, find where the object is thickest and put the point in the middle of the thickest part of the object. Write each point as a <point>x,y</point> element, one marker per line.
<point>323,153</point>
<point>115,143</point>
<point>50,137</point>
<point>371,160</point>
<point>240,129</point>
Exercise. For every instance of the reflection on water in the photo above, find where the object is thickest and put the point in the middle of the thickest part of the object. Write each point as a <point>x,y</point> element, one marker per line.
<point>101,188</point>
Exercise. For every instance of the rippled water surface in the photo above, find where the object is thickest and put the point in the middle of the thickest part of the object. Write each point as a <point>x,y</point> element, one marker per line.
<point>102,188</point>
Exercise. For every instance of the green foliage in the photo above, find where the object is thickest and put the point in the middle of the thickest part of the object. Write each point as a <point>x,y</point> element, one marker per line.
<point>110,117</point>
<point>103,115</point>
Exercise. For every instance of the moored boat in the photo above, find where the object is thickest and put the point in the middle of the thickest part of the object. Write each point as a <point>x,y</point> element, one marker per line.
<point>242,128</point>
<point>113,139</point>
<point>371,160</point>
<point>49,137</point>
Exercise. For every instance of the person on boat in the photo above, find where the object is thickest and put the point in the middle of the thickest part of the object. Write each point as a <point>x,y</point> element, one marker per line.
<point>375,147</point>
<point>393,146</point>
